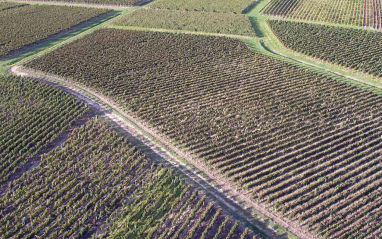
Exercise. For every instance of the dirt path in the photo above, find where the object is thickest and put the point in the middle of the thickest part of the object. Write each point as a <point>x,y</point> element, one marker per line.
<point>32,45</point>
<point>224,191</point>
<point>322,68</point>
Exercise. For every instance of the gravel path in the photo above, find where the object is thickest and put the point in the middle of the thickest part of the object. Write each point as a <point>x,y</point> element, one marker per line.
<point>226,193</point>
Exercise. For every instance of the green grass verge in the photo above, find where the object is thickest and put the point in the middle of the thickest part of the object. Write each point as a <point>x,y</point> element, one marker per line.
<point>74,4</point>
<point>207,188</point>
<point>58,42</point>
<point>269,44</point>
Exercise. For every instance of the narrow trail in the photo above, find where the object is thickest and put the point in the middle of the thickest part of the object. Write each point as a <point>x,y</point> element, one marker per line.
<point>216,185</point>
<point>135,130</point>
<point>269,44</point>
<point>30,46</point>
<point>329,71</point>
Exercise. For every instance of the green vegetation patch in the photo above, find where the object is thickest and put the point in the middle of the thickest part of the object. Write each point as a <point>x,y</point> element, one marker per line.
<point>32,115</point>
<point>356,49</point>
<point>233,6</point>
<point>29,24</point>
<point>226,23</point>
<point>97,184</point>
<point>306,144</point>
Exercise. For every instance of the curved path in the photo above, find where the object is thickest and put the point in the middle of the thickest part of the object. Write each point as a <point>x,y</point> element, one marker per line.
<point>235,201</point>
<point>267,43</point>
<point>141,133</point>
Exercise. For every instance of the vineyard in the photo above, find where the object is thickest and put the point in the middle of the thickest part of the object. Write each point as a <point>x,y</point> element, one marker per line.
<point>366,13</point>
<point>27,24</point>
<point>306,144</point>
<point>337,45</point>
<point>105,2</point>
<point>32,116</point>
<point>233,6</point>
<point>98,185</point>
<point>226,23</point>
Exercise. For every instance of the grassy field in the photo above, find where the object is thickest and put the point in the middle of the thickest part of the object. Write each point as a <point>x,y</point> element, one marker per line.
<point>249,121</point>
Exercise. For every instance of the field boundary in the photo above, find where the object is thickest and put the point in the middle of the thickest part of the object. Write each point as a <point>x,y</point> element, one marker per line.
<point>328,23</point>
<point>269,45</point>
<point>271,17</point>
<point>133,28</point>
<point>266,45</point>
<point>74,28</point>
<point>325,69</point>
<point>129,124</point>
<point>315,59</point>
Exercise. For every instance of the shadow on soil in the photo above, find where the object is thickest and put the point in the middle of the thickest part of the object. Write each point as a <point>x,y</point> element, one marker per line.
<point>250,7</point>
<point>255,26</point>
<point>34,48</point>
<point>34,161</point>
<point>137,142</point>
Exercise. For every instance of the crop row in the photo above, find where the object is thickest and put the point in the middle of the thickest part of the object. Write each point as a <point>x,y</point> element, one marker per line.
<point>226,23</point>
<point>352,48</point>
<point>366,13</point>
<point>105,2</point>
<point>283,133</point>
<point>97,184</point>
<point>32,116</point>
<point>28,24</point>
<point>232,6</point>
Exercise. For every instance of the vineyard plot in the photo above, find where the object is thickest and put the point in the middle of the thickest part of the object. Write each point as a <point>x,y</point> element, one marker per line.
<point>233,6</point>
<point>225,23</point>
<point>97,184</point>
<point>32,116</point>
<point>28,24</point>
<point>105,2</point>
<point>356,49</point>
<point>305,143</point>
<point>366,13</point>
